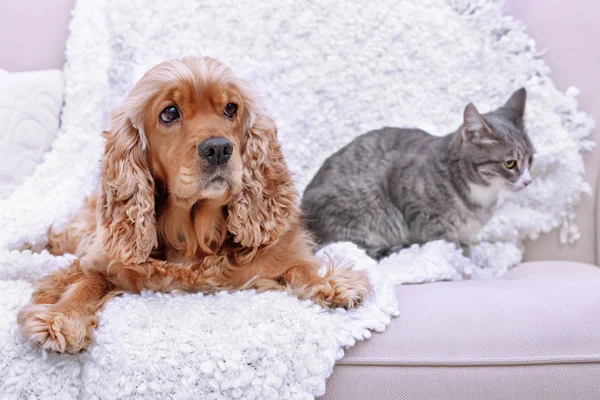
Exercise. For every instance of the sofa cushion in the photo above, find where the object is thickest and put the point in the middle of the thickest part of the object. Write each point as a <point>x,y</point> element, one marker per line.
<point>30,106</point>
<point>541,315</point>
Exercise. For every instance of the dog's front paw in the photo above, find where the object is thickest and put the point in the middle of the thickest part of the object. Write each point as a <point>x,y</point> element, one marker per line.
<point>54,330</point>
<point>343,287</point>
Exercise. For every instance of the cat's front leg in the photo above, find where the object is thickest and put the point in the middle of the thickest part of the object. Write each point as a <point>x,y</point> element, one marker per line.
<point>379,253</point>
<point>466,249</point>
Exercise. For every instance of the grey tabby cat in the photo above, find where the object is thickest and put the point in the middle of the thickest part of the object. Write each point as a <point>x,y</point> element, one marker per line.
<point>393,187</point>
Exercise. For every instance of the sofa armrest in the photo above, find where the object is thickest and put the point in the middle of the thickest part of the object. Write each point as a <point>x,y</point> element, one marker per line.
<point>565,31</point>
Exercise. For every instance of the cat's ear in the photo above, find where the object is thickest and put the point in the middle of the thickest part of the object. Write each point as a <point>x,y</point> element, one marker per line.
<point>515,106</point>
<point>475,129</point>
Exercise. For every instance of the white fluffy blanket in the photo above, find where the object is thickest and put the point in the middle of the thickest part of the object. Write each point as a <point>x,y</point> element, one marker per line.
<point>329,71</point>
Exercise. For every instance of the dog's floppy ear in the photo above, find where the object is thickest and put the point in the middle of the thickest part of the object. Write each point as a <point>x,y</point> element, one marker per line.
<point>267,205</point>
<point>126,207</point>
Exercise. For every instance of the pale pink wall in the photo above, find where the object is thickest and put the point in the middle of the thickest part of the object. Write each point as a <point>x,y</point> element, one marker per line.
<point>33,33</point>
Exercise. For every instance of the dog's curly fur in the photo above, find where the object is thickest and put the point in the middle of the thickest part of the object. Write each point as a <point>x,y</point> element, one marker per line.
<point>167,220</point>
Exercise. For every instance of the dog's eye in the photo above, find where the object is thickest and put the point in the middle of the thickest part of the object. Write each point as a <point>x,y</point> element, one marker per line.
<point>169,115</point>
<point>230,110</point>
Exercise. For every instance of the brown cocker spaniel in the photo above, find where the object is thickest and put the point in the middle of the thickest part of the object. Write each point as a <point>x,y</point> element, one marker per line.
<point>195,196</point>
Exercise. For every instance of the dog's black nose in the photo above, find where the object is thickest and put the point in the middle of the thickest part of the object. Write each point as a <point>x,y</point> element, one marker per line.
<point>216,151</point>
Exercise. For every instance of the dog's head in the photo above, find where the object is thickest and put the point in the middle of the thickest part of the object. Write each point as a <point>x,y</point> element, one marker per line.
<point>194,131</point>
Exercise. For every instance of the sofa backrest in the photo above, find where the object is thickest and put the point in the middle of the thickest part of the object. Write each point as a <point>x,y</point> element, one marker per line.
<point>41,46</point>
<point>573,62</point>
<point>587,248</point>
<point>597,212</point>
<point>41,28</point>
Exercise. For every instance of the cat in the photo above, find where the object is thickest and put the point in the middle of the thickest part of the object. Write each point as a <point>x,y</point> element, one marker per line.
<point>394,187</point>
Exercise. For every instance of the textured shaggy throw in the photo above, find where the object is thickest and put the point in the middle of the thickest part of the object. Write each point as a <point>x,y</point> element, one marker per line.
<point>328,71</point>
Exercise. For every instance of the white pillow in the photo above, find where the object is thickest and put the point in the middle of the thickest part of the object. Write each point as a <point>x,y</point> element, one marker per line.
<point>30,104</point>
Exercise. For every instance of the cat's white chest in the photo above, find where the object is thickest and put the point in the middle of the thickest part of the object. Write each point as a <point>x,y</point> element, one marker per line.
<point>486,196</point>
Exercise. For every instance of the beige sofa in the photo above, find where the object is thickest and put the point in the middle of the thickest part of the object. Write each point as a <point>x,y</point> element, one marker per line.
<point>533,334</point>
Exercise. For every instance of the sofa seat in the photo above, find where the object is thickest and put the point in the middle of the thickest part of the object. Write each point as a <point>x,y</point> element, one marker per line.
<point>533,334</point>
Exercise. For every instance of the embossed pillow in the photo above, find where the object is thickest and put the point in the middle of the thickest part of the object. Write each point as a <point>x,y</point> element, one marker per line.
<point>30,104</point>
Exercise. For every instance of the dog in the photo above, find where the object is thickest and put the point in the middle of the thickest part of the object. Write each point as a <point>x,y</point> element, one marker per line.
<point>195,195</point>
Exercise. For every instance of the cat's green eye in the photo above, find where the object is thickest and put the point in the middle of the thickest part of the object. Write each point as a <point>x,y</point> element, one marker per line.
<point>510,164</point>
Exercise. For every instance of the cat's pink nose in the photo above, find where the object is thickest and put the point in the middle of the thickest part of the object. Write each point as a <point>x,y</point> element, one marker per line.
<point>526,183</point>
